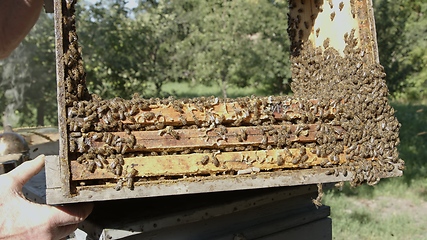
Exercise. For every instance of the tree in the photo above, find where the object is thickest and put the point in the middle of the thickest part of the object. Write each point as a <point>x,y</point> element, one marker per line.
<point>127,51</point>
<point>402,45</point>
<point>240,43</point>
<point>100,28</point>
<point>415,84</point>
<point>28,78</point>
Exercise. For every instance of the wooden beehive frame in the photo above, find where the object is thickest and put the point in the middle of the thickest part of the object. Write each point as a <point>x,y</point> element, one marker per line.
<point>213,170</point>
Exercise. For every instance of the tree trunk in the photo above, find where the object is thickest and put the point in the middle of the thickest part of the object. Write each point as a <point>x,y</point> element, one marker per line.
<point>223,84</point>
<point>40,113</point>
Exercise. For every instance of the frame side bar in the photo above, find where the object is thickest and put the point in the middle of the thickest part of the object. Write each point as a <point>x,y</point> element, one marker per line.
<point>62,117</point>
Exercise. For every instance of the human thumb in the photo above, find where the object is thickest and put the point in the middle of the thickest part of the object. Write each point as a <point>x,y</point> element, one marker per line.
<point>24,172</point>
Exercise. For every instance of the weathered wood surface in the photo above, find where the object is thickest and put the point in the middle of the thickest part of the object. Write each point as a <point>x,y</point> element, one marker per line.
<point>179,113</point>
<point>188,165</point>
<point>215,138</point>
<point>164,187</point>
<point>62,169</point>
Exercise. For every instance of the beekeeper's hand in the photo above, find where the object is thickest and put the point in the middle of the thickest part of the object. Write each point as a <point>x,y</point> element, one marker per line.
<point>23,219</point>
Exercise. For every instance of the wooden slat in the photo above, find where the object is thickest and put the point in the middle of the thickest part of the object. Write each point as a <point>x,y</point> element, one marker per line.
<point>191,164</point>
<point>103,191</point>
<point>218,138</point>
<point>60,50</point>
<point>230,113</point>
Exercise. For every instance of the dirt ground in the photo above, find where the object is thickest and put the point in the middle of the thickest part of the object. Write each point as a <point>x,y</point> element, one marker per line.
<point>390,206</point>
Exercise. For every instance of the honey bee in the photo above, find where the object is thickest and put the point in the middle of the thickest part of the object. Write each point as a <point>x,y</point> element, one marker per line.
<point>238,121</point>
<point>296,160</point>
<point>169,130</point>
<point>302,151</point>
<point>353,12</point>
<point>326,43</point>
<point>240,148</point>
<point>134,110</point>
<point>96,136</point>
<point>239,137</point>
<point>287,152</point>
<point>344,172</point>
<point>98,163</point>
<point>215,160</point>
<point>318,200</point>
<point>119,185</point>
<point>73,145</point>
<point>124,148</point>
<point>102,159</point>
<point>113,164</point>
<point>341,6</point>
<point>330,171</point>
<point>304,158</point>
<point>90,166</point>
<point>120,159</point>
<point>80,91</point>
<point>130,178</point>
<point>80,159</point>
<point>130,183</point>
<point>243,134</point>
<point>148,116</point>
<point>331,4</point>
<point>205,160</point>
<point>280,160</point>
<point>317,2</point>
<point>107,138</point>
<point>132,140</point>
<point>102,108</point>
<point>82,147</point>
<point>121,114</point>
<point>183,120</point>
<point>177,106</point>
<point>196,120</point>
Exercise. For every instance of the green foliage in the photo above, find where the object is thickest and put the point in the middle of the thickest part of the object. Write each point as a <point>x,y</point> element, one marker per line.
<point>100,28</point>
<point>402,43</point>
<point>127,51</point>
<point>237,43</point>
<point>413,136</point>
<point>28,79</point>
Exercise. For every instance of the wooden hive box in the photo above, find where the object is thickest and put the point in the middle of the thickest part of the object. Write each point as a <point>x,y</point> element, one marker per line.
<point>336,127</point>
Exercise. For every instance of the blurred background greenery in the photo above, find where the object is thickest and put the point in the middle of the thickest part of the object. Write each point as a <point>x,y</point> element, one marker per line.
<point>189,48</point>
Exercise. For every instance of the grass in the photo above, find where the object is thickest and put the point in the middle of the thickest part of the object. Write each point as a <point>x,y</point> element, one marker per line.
<point>393,209</point>
<point>380,215</point>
